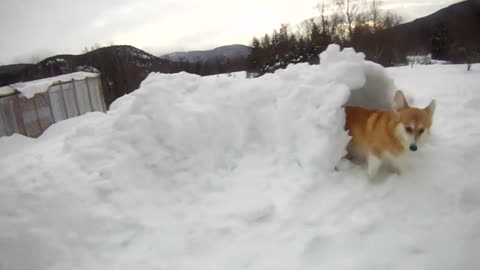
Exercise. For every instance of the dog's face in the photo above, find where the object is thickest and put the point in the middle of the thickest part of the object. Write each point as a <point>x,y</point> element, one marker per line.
<point>414,124</point>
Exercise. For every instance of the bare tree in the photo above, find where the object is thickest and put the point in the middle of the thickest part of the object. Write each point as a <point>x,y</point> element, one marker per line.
<point>350,10</point>
<point>390,20</point>
<point>324,21</point>
<point>337,27</point>
<point>305,28</point>
<point>35,59</point>
<point>375,14</point>
<point>92,48</point>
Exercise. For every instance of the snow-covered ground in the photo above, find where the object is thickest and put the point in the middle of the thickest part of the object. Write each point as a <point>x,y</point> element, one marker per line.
<point>221,173</point>
<point>233,75</point>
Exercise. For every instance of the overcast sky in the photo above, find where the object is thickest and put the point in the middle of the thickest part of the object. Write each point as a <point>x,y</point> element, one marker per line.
<point>42,28</point>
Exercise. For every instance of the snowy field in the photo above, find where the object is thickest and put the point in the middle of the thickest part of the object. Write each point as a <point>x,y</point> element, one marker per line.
<point>232,173</point>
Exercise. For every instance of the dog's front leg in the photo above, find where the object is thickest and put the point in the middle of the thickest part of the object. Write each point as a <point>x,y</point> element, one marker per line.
<point>396,171</point>
<point>373,165</point>
<point>394,166</point>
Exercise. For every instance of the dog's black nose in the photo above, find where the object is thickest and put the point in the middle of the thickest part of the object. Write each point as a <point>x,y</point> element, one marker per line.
<point>413,147</point>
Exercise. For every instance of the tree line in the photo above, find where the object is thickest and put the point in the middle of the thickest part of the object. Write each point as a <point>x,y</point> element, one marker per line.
<point>368,28</point>
<point>359,24</point>
<point>353,23</point>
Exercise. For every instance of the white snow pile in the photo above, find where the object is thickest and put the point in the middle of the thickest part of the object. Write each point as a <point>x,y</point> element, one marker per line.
<point>203,173</point>
<point>6,90</point>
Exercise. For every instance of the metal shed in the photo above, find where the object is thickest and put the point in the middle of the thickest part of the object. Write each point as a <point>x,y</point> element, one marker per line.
<point>31,107</point>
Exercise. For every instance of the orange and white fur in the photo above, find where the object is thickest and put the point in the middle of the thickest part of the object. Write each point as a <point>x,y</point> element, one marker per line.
<point>385,137</point>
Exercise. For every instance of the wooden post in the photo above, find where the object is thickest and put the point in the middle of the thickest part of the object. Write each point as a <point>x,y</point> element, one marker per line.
<point>4,120</point>
<point>75,97</point>
<point>64,102</point>
<point>19,116</point>
<point>36,113</point>
<point>89,94</point>
<point>100,92</point>
<point>50,105</point>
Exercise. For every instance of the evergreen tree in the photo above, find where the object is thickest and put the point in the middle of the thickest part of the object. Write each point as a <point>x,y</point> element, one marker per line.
<point>255,59</point>
<point>440,42</point>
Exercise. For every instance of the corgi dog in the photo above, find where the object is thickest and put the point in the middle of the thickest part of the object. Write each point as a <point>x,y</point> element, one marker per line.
<point>384,137</point>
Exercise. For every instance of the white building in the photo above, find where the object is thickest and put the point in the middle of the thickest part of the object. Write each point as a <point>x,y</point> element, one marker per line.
<point>31,107</point>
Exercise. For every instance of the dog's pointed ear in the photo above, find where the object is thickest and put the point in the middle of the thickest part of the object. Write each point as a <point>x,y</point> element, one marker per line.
<point>395,114</point>
<point>399,101</point>
<point>431,107</point>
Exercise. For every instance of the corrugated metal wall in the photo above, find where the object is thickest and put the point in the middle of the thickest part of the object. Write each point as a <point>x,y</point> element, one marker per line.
<point>61,101</point>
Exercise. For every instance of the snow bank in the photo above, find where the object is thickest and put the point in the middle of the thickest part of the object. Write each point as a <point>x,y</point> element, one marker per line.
<point>6,90</point>
<point>190,172</point>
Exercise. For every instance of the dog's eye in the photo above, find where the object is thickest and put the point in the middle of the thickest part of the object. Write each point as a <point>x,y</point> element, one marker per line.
<point>409,129</point>
<point>420,131</point>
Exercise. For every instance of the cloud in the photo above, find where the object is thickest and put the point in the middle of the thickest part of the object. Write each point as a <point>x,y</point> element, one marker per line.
<point>34,56</point>
<point>412,9</point>
<point>67,26</point>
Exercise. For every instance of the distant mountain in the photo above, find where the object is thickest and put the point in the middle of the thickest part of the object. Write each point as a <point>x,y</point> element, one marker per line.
<point>220,54</point>
<point>440,33</point>
<point>123,68</point>
<point>8,73</point>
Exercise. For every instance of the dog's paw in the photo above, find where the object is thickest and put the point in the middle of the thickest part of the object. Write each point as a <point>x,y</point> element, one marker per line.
<point>396,171</point>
